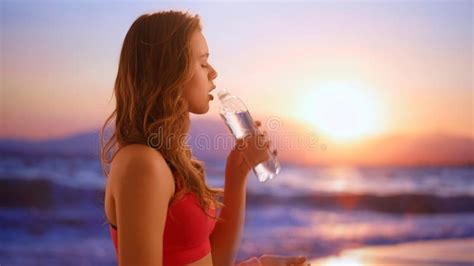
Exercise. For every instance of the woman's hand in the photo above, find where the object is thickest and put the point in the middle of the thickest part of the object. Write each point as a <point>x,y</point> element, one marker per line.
<point>247,153</point>
<point>275,260</point>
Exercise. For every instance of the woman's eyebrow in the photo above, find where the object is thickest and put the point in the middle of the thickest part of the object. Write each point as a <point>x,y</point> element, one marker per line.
<point>204,55</point>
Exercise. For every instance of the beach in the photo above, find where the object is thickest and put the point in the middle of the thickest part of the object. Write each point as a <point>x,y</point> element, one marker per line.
<point>432,252</point>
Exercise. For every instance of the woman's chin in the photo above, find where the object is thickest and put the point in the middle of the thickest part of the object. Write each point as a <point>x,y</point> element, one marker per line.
<point>200,111</point>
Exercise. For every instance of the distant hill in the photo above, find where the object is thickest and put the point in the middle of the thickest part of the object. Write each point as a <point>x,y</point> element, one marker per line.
<point>88,143</point>
<point>211,141</point>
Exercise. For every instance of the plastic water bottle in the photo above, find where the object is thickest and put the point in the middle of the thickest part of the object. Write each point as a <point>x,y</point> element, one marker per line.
<point>240,123</point>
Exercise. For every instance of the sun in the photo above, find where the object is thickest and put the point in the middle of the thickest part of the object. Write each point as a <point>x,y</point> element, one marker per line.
<point>341,110</point>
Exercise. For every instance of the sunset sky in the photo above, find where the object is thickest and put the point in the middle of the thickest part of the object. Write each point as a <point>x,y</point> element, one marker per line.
<point>347,69</point>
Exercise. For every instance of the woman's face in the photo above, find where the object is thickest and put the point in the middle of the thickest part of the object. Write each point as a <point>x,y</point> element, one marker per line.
<point>196,90</point>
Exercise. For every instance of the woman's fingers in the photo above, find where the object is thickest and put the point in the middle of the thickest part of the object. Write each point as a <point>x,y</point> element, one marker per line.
<point>255,147</point>
<point>296,260</point>
<point>262,135</point>
<point>278,260</point>
<point>262,139</point>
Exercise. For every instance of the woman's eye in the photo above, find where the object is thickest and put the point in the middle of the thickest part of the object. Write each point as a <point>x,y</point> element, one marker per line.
<point>204,66</point>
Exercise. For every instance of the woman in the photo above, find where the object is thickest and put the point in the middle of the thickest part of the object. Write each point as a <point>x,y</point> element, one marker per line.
<point>160,209</point>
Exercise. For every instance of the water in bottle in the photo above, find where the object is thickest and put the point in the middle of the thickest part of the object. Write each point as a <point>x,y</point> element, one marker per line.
<point>240,123</point>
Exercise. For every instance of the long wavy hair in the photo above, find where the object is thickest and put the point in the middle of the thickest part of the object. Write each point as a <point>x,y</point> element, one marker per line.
<point>155,62</point>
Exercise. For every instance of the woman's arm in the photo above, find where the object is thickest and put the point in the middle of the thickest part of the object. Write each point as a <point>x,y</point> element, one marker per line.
<point>144,187</point>
<point>225,239</point>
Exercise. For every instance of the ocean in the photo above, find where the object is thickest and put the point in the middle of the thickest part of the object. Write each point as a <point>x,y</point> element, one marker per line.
<point>51,209</point>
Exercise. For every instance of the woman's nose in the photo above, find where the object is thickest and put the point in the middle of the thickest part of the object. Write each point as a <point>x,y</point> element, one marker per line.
<point>213,73</point>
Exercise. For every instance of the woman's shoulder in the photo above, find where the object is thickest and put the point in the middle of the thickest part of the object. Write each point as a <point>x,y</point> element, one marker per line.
<point>133,154</point>
<point>134,164</point>
<point>137,149</point>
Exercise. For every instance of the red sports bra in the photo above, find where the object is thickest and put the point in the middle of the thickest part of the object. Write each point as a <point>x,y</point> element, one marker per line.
<point>186,233</point>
